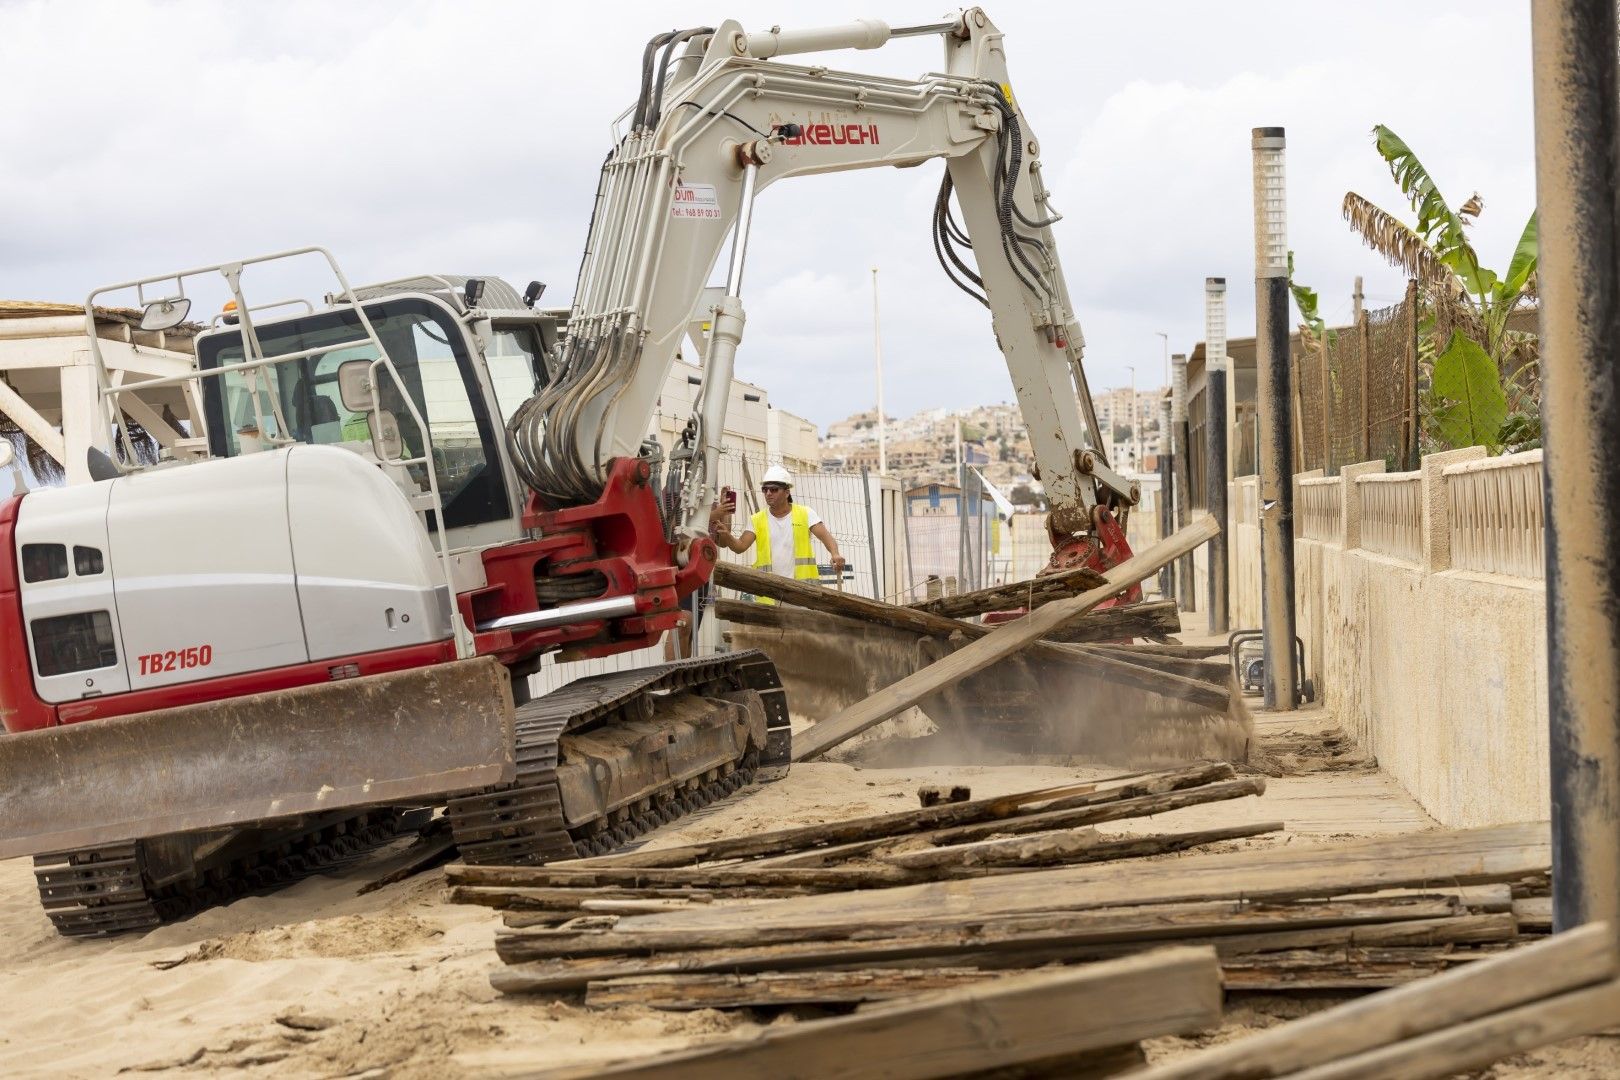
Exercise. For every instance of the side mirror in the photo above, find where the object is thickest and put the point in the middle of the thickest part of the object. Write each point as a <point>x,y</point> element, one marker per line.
<point>354,386</point>
<point>165,314</point>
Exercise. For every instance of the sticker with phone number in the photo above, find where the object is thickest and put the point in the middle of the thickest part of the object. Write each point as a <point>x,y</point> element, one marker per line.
<point>177,660</point>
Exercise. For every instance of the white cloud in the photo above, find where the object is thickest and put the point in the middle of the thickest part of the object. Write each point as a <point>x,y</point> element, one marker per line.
<point>412,136</point>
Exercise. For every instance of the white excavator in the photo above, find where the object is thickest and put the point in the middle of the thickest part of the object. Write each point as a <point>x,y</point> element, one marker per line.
<point>227,671</point>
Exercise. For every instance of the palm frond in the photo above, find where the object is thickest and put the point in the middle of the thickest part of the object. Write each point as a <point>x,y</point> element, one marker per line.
<point>1442,228</point>
<point>1394,240</point>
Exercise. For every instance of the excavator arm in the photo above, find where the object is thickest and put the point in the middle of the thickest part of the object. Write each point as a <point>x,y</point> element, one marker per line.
<point>719,120</point>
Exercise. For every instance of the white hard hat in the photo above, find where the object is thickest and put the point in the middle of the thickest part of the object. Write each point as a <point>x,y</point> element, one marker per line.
<point>777,475</point>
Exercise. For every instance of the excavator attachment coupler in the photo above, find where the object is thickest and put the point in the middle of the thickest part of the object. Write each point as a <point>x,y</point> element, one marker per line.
<point>401,738</point>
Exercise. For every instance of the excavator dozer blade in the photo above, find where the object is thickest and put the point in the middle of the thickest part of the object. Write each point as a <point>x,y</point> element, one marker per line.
<point>398,738</point>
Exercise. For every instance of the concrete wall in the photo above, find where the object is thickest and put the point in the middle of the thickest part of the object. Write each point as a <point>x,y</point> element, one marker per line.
<point>1437,670</point>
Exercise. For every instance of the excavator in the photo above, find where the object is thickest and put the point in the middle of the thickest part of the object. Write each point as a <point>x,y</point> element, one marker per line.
<point>285,645</point>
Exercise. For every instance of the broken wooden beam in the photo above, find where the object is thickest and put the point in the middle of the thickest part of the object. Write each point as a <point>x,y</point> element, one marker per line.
<point>1021,1018</point>
<point>1042,817</point>
<point>1000,642</point>
<point>1061,848</point>
<point>1465,1047</point>
<point>775,989</point>
<point>805,837</point>
<point>1554,966</point>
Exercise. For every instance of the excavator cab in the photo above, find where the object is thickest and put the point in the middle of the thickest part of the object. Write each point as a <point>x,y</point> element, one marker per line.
<point>465,370</point>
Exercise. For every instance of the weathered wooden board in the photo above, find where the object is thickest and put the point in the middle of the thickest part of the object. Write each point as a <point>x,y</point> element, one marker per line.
<point>1104,926</point>
<point>1028,1017</point>
<point>804,837</point>
<point>1465,1047</point>
<point>1444,1004</point>
<point>1461,857</point>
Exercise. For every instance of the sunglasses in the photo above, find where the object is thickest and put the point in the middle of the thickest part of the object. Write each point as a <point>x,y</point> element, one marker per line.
<point>768,488</point>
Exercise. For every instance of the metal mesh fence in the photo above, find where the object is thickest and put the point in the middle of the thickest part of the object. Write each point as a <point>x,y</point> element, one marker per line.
<point>1357,398</point>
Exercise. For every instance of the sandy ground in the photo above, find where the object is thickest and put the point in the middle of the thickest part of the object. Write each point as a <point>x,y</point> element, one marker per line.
<point>316,981</point>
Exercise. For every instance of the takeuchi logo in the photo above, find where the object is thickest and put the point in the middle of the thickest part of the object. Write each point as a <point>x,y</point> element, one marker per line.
<point>835,135</point>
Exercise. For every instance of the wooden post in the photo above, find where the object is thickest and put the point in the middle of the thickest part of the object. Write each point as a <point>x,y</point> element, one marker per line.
<point>1412,429</point>
<point>1364,344</point>
<point>1328,465</point>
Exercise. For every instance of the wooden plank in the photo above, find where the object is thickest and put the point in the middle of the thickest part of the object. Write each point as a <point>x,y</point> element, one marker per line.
<point>1337,968</point>
<point>775,989</point>
<point>1534,913</point>
<point>824,878</point>
<point>1029,594</point>
<point>1107,926</point>
<point>1477,1043</point>
<point>1062,848</point>
<point>1000,1022</point>
<point>733,989</point>
<point>1004,640</point>
<point>1068,813</point>
<point>1551,967</point>
<point>1460,857</point>
<point>573,899</point>
<point>1044,818</point>
<point>537,968</point>
<point>783,841</point>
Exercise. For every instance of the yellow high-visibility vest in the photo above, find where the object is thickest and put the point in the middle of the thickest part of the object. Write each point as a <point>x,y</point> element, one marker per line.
<point>804,559</point>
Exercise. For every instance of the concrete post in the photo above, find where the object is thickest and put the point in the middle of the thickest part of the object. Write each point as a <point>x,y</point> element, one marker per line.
<point>1215,366</point>
<point>1577,113</point>
<point>1274,397</point>
<point>1437,506</point>
<point>1352,500</point>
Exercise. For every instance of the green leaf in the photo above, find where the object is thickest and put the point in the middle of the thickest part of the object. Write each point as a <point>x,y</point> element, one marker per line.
<point>1474,405</point>
<point>1440,226</point>
<point>1306,299</point>
<point>1525,257</point>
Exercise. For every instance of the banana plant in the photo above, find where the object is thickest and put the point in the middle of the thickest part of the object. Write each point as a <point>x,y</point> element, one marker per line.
<point>1476,358</point>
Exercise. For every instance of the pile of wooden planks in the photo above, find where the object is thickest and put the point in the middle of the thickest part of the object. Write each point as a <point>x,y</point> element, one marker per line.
<point>947,895</point>
<point>943,841</point>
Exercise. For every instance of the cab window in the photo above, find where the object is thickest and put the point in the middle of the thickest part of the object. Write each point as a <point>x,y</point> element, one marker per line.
<point>247,411</point>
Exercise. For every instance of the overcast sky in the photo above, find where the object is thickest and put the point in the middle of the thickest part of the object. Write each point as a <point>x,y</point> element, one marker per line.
<point>466,137</point>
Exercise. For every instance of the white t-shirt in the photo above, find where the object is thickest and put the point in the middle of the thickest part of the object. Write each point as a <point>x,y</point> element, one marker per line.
<point>781,539</point>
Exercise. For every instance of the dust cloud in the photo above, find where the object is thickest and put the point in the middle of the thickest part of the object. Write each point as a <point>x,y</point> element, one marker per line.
<point>1020,710</point>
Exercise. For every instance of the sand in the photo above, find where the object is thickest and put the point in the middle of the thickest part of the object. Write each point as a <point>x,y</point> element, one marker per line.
<point>316,981</point>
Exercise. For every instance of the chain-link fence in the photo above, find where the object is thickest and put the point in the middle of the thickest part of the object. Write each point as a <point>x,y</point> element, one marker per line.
<point>1357,391</point>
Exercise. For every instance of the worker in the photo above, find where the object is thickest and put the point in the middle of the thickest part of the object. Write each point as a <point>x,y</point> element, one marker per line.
<point>783,529</point>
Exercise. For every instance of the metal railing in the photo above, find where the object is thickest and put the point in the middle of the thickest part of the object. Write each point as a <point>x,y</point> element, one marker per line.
<point>1392,514</point>
<point>1495,507</point>
<point>1321,509</point>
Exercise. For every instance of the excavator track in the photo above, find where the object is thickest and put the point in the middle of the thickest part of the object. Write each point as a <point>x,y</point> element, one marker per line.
<point>524,823</point>
<point>108,890</point>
